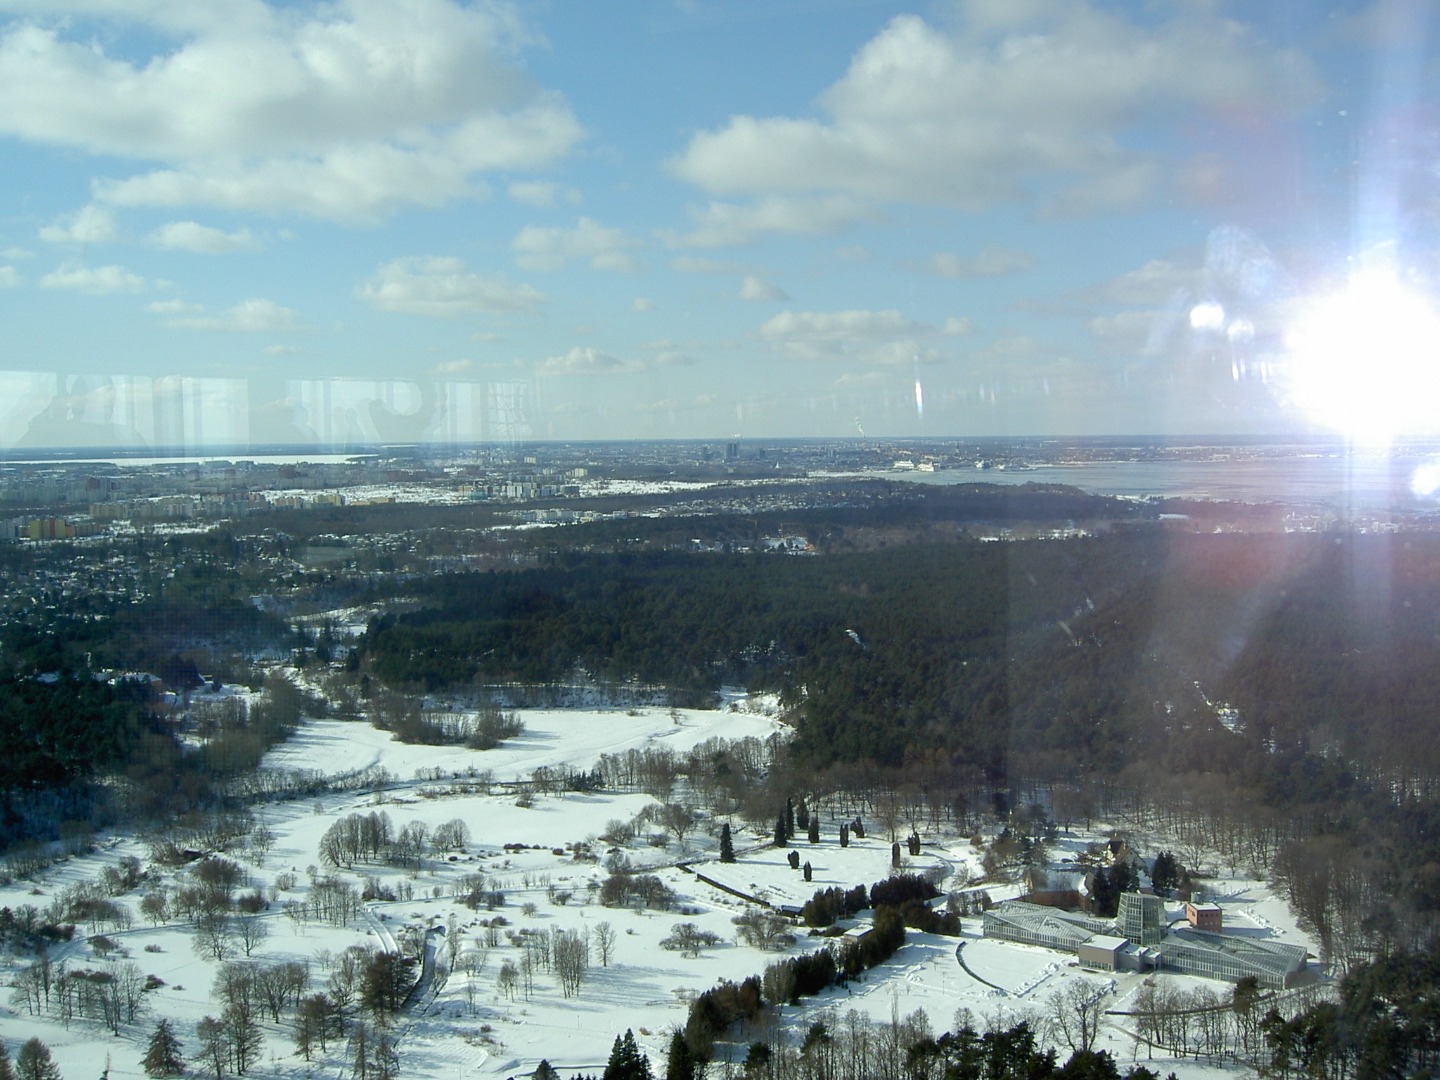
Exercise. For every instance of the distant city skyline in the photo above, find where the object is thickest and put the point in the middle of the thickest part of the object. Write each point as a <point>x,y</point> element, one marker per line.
<point>377,221</point>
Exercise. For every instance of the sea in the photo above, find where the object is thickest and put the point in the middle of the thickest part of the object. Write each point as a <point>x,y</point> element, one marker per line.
<point>1346,483</point>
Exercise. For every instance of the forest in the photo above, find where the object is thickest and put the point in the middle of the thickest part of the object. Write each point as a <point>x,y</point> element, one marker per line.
<point>1272,693</point>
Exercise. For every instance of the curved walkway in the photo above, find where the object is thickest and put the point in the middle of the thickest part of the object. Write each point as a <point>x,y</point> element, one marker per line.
<point>960,958</point>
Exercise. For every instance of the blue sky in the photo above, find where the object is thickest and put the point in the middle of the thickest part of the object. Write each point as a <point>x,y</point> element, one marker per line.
<point>426,219</point>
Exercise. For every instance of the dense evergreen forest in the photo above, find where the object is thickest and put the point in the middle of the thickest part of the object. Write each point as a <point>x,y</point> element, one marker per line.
<point>1271,694</point>
<point>1109,648</point>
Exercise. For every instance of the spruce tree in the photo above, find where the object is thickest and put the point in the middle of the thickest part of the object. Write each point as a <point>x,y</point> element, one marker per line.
<point>627,1061</point>
<point>727,845</point>
<point>789,819</point>
<point>162,1057</point>
<point>780,834</point>
<point>7,1069</point>
<point>812,832</point>
<point>680,1061</point>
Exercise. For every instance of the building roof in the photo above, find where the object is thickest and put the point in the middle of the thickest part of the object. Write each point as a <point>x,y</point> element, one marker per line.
<point>1273,957</point>
<point>1037,919</point>
<point>1107,941</point>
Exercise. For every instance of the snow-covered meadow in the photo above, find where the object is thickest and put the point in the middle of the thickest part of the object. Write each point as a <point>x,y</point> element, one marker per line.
<point>544,852</point>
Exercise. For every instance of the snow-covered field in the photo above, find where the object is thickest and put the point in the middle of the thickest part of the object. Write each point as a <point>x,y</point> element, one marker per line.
<point>467,1027</point>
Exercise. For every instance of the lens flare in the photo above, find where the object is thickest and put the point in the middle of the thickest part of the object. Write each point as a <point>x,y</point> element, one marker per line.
<point>1366,362</point>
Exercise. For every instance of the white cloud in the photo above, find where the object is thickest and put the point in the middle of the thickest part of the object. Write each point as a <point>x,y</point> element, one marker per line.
<point>721,224</point>
<point>754,288</point>
<point>173,307</point>
<point>666,353</point>
<point>249,316</point>
<point>344,111</point>
<point>94,280</point>
<point>538,248</point>
<point>1034,106</point>
<point>541,193</point>
<point>990,262</point>
<point>10,277</point>
<point>203,239</point>
<point>958,326</point>
<point>280,350</point>
<point>871,337</point>
<point>17,253</point>
<point>587,361</point>
<point>1158,282</point>
<point>643,305</point>
<point>436,285</point>
<point>89,225</point>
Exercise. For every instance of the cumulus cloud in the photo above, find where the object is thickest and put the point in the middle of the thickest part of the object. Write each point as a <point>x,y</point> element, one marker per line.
<point>442,286</point>
<point>344,111</point>
<point>871,337</point>
<point>587,361</point>
<point>1032,106</point>
<point>603,248</point>
<point>94,280</point>
<point>249,316</point>
<point>754,288</point>
<point>203,239</point>
<point>721,224</point>
<point>89,225</point>
<point>990,262</point>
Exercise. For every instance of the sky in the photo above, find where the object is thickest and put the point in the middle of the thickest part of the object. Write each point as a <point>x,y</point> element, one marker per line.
<point>432,220</point>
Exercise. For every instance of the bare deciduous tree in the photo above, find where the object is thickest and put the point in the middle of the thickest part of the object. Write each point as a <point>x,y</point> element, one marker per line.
<point>604,938</point>
<point>1075,1011</point>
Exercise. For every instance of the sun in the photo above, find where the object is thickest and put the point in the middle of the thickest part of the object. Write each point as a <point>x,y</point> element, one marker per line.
<point>1366,361</point>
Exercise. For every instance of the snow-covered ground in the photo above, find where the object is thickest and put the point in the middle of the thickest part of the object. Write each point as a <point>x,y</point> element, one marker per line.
<point>468,1027</point>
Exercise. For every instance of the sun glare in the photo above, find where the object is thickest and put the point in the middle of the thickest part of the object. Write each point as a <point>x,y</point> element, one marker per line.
<point>1366,361</point>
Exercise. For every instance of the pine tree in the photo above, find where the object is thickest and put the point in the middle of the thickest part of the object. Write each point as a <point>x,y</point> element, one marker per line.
<point>627,1061</point>
<point>162,1057</point>
<point>35,1063</point>
<point>680,1061</point>
<point>727,845</point>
